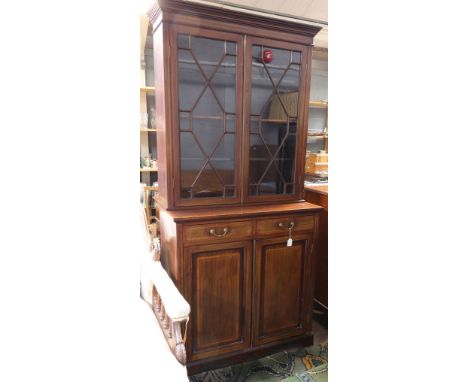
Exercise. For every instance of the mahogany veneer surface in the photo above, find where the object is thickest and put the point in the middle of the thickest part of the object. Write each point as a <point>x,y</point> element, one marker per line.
<point>243,211</point>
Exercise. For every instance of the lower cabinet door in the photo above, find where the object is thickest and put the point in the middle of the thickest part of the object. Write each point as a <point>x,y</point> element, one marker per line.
<point>282,289</point>
<point>219,293</point>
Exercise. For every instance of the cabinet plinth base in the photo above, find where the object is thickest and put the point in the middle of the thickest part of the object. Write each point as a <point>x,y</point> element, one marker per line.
<point>251,354</point>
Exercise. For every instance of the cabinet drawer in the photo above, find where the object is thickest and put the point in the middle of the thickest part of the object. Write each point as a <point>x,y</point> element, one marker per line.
<point>218,232</point>
<point>279,226</point>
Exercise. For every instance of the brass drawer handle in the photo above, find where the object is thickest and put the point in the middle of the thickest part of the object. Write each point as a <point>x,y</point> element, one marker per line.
<point>289,225</point>
<point>213,232</point>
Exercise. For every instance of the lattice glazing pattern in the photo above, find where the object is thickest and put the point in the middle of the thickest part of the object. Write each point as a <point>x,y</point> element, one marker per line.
<point>273,121</point>
<point>207,117</point>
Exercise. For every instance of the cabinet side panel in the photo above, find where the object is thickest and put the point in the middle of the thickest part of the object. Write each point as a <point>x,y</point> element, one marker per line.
<point>163,115</point>
<point>169,246</point>
<point>302,146</point>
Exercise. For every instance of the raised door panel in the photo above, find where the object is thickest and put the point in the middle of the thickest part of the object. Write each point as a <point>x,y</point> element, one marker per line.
<point>220,298</point>
<point>282,290</point>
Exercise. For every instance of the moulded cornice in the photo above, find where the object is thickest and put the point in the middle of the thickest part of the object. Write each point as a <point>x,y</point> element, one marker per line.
<point>222,14</point>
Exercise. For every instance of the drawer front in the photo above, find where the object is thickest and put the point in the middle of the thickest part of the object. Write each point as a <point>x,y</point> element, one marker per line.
<point>280,225</point>
<point>217,232</point>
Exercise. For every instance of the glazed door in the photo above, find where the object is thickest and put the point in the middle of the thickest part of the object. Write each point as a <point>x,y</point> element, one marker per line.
<point>282,295</point>
<point>207,71</point>
<point>219,293</point>
<point>277,78</point>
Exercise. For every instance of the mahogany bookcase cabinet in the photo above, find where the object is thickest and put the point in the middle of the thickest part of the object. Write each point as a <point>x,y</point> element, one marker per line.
<point>232,92</point>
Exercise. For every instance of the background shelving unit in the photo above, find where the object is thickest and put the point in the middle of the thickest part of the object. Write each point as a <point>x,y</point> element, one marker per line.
<point>148,136</point>
<point>317,139</point>
<point>317,136</point>
<point>147,89</point>
<point>147,130</point>
<point>318,126</point>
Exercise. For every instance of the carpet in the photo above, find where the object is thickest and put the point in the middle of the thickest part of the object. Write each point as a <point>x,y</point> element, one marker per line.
<point>308,364</point>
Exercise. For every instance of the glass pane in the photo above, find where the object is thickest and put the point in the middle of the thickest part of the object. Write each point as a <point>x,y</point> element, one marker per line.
<point>292,125</point>
<point>288,90</point>
<point>254,125</point>
<point>253,189</point>
<point>281,58</point>
<point>231,48</point>
<point>191,81</point>
<point>259,158</point>
<point>275,74</point>
<point>224,159</point>
<point>207,105</point>
<point>208,53</point>
<point>230,191</point>
<point>183,41</point>
<point>185,121</point>
<point>208,132</point>
<point>296,57</point>
<point>224,84</point>
<point>191,161</point>
<point>207,109</point>
<point>230,123</point>
<point>208,185</point>
<point>274,105</point>
<point>261,91</point>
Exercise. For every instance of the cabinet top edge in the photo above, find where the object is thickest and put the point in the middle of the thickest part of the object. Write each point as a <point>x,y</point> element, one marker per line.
<point>223,12</point>
<point>181,216</point>
<point>323,190</point>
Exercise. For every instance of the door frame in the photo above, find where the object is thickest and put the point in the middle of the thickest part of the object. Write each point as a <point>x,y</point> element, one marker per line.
<point>216,35</point>
<point>302,118</point>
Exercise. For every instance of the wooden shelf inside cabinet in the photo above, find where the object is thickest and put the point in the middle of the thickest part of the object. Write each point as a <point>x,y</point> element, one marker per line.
<point>148,130</point>
<point>147,89</point>
<point>148,170</point>
<point>318,104</point>
<point>152,188</point>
